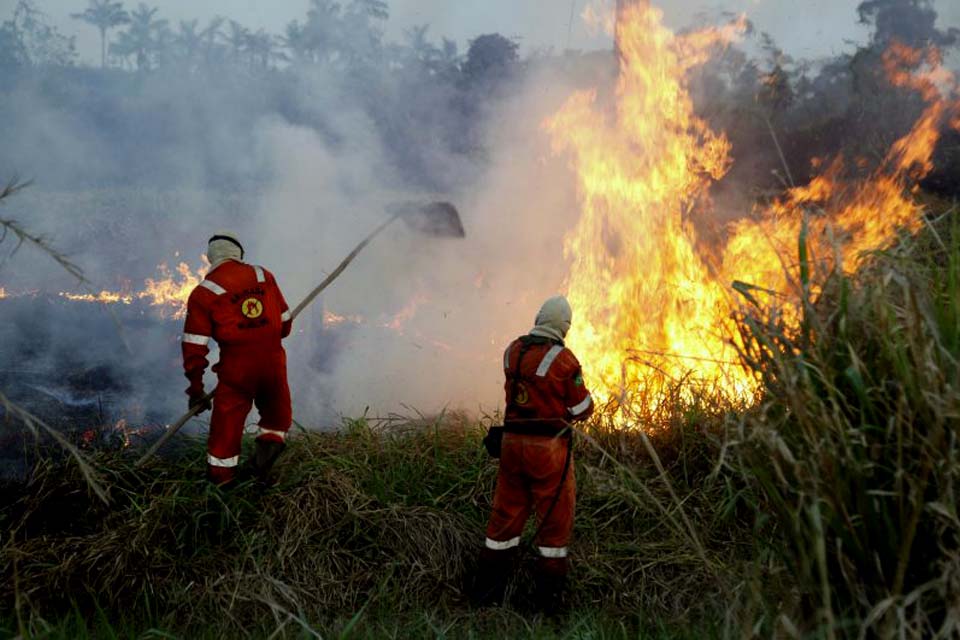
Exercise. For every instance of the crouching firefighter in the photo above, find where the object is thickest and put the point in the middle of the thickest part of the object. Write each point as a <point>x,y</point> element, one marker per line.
<point>240,306</point>
<point>544,394</point>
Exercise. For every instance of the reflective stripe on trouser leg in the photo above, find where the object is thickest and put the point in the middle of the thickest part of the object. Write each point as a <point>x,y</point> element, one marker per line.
<point>556,524</point>
<point>270,434</point>
<point>226,463</point>
<point>511,499</point>
<point>497,545</point>
<point>273,403</point>
<point>553,552</point>
<point>230,409</point>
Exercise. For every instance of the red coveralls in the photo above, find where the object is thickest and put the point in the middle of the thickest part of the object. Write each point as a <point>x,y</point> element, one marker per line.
<point>241,307</point>
<point>544,393</point>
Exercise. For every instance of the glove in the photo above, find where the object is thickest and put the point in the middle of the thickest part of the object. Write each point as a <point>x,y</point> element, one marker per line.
<point>201,399</point>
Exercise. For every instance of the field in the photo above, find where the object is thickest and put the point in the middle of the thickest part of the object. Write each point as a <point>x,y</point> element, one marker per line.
<point>826,507</point>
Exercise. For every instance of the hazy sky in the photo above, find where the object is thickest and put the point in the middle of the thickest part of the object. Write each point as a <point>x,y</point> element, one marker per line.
<point>805,28</point>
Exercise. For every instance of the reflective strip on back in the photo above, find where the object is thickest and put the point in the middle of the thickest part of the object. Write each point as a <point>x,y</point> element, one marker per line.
<point>193,338</point>
<point>214,461</point>
<point>548,359</point>
<point>497,545</point>
<point>259,272</point>
<point>580,408</point>
<point>213,286</point>
<point>553,552</point>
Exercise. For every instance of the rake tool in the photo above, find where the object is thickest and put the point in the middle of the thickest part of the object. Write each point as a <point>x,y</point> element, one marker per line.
<point>437,219</point>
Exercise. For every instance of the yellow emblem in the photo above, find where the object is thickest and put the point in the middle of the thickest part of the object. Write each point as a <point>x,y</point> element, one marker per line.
<point>523,396</point>
<point>252,308</point>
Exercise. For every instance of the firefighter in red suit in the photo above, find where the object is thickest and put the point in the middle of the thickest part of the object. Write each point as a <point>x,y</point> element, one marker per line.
<point>544,394</point>
<point>240,306</point>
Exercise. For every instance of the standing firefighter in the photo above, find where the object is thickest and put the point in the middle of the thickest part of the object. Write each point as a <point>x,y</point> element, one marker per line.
<point>544,393</point>
<point>241,307</point>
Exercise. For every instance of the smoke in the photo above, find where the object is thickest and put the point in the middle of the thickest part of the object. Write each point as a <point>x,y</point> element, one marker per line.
<point>436,313</point>
<point>137,169</point>
<point>142,173</point>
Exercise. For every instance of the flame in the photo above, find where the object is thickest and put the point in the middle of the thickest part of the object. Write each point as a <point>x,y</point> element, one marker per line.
<point>172,291</point>
<point>652,307</point>
<point>104,297</point>
<point>167,294</point>
<point>409,310</point>
<point>331,319</point>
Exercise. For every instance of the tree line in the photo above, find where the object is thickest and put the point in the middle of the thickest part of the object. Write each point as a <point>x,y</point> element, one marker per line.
<point>139,38</point>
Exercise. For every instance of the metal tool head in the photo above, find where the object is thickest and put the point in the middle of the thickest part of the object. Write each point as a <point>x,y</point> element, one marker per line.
<point>439,218</point>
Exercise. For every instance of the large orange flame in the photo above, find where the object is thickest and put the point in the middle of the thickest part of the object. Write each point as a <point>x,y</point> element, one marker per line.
<point>650,308</point>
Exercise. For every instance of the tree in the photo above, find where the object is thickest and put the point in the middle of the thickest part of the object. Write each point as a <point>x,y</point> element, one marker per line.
<point>322,34</point>
<point>188,40</point>
<point>912,22</point>
<point>490,56</point>
<point>294,38</point>
<point>209,39</point>
<point>28,38</point>
<point>362,36</point>
<point>237,38</point>
<point>104,15</point>
<point>263,49</point>
<point>144,36</point>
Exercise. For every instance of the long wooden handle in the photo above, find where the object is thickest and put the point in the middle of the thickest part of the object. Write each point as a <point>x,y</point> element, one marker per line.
<point>176,426</point>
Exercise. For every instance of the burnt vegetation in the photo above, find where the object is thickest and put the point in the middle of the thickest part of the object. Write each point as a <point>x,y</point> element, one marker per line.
<point>825,508</point>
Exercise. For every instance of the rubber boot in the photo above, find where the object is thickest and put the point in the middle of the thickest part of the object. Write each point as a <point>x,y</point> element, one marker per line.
<point>550,583</point>
<point>223,477</point>
<point>265,454</point>
<point>493,571</point>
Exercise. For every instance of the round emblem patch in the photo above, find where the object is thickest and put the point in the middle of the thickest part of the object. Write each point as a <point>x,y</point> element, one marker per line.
<point>523,396</point>
<point>251,308</point>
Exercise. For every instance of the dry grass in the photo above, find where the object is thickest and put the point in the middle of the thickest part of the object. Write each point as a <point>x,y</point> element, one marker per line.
<point>366,519</point>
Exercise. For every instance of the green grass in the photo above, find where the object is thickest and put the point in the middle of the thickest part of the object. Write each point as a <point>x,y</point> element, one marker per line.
<point>489,624</point>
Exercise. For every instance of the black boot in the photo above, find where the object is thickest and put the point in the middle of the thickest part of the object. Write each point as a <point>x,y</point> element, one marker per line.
<point>265,454</point>
<point>550,584</point>
<point>493,571</point>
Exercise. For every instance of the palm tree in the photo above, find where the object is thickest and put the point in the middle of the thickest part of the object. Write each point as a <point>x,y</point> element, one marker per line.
<point>264,50</point>
<point>104,15</point>
<point>144,36</point>
<point>294,38</point>
<point>209,37</point>
<point>238,38</point>
<point>188,41</point>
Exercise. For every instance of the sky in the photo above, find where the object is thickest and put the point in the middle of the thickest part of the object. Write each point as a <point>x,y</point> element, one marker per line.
<point>805,28</point>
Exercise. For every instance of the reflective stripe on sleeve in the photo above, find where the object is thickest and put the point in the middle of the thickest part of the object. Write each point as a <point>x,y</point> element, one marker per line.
<point>193,338</point>
<point>580,408</point>
<point>270,432</point>
<point>259,272</point>
<point>506,359</point>
<point>496,545</point>
<point>213,286</point>
<point>553,552</point>
<point>285,316</point>
<point>214,461</point>
<point>548,359</point>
